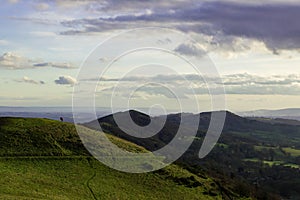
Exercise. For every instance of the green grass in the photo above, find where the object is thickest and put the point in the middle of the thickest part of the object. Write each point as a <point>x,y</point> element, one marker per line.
<point>44,178</point>
<point>44,159</point>
<point>271,163</point>
<point>38,137</point>
<point>292,151</point>
<point>262,148</point>
<point>292,165</point>
<point>71,178</point>
<point>277,151</point>
<point>225,146</point>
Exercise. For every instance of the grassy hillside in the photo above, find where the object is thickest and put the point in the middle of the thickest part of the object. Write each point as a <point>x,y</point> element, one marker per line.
<point>44,159</point>
<point>253,157</point>
<point>82,178</point>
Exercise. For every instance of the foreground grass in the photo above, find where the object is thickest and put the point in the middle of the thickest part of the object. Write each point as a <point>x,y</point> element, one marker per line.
<point>44,159</point>
<point>86,178</point>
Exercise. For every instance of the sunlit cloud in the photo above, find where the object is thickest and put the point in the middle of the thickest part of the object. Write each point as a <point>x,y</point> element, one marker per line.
<point>66,80</point>
<point>26,79</point>
<point>14,61</point>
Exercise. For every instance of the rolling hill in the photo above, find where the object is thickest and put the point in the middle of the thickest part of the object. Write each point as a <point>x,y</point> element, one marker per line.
<point>252,156</point>
<point>44,159</point>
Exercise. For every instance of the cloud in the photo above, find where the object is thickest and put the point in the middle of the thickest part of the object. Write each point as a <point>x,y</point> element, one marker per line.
<point>247,79</point>
<point>189,50</point>
<point>37,20</point>
<point>75,3</point>
<point>43,34</point>
<point>25,79</point>
<point>146,91</point>
<point>13,61</point>
<point>86,26</point>
<point>243,84</point>
<point>164,41</point>
<point>66,80</point>
<point>41,6</point>
<point>275,24</point>
<point>56,65</point>
<point>13,1</point>
<point>62,65</point>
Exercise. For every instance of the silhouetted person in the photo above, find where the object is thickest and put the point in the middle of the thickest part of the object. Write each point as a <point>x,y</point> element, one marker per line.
<point>61,119</point>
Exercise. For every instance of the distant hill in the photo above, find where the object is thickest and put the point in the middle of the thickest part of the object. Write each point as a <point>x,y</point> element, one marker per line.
<point>276,120</point>
<point>282,134</point>
<point>45,159</point>
<point>289,113</point>
<point>50,113</point>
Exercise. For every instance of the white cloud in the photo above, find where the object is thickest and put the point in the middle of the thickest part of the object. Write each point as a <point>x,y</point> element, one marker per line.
<point>243,84</point>
<point>66,80</point>
<point>41,6</point>
<point>189,50</point>
<point>26,79</point>
<point>14,61</point>
<point>13,1</point>
<point>74,3</point>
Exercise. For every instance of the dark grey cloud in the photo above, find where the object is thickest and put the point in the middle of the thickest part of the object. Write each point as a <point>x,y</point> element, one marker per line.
<point>275,24</point>
<point>56,65</point>
<point>41,65</point>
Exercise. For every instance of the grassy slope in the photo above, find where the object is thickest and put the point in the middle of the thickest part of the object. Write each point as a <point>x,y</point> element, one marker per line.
<point>242,140</point>
<point>44,159</point>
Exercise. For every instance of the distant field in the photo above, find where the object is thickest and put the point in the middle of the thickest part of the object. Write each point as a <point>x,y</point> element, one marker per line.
<point>271,163</point>
<point>275,162</point>
<point>292,151</point>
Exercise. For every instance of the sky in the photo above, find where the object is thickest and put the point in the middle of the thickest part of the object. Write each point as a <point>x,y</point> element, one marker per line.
<point>45,46</point>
